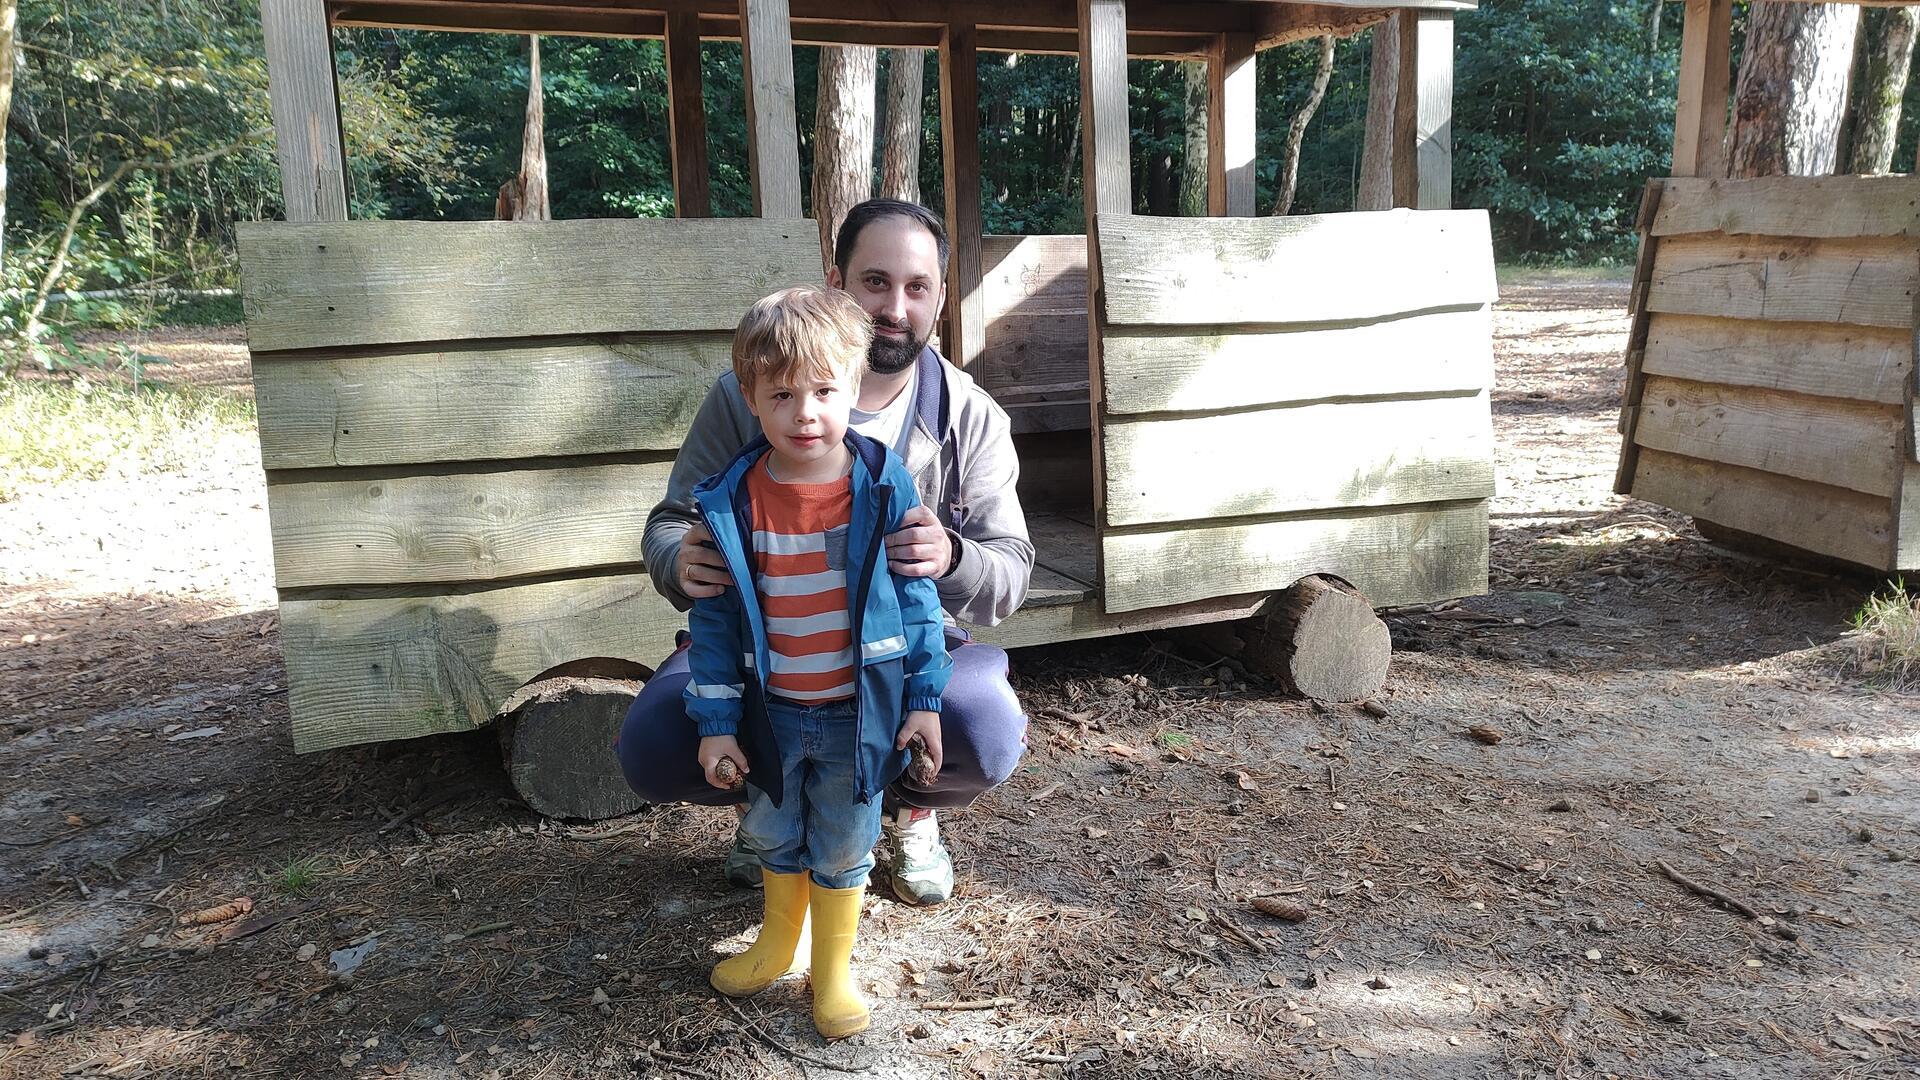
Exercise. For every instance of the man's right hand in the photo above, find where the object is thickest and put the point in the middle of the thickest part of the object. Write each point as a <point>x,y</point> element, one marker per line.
<point>699,567</point>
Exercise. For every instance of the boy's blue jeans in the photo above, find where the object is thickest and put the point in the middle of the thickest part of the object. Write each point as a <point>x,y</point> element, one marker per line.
<point>820,827</point>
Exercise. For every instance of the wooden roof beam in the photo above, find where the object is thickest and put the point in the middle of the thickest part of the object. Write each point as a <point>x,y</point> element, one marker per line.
<point>1281,24</point>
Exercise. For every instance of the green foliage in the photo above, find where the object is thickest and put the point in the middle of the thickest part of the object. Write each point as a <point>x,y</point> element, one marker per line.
<point>1886,633</point>
<point>299,876</point>
<point>79,428</point>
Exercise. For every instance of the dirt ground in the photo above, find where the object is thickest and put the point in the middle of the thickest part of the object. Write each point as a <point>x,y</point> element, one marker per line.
<point>1474,908</point>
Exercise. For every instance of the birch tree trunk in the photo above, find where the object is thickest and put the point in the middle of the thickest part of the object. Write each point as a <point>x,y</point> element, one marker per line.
<point>842,137</point>
<point>1791,94</point>
<point>1877,120</point>
<point>524,198</point>
<point>1193,167</point>
<point>900,172</point>
<point>1297,131</point>
<point>1383,86</point>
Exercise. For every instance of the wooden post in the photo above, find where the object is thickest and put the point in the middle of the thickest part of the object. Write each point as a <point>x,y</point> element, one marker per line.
<point>1230,125</point>
<point>1423,111</point>
<point>306,109</point>
<point>960,152</point>
<point>1107,189</point>
<point>687,113</point>
<point>1700,113</point>
<point>773,138</point>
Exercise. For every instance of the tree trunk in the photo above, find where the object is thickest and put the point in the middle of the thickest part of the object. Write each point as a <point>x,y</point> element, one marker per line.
<point>1653,42</point>
<point>1159,171</point>
<point>842,137</point>
<point>1791,94</point>
<point>1193,167</point>
<point>1383,86</point>
<point>1323,641</point>
<point>1297,131</point>
<point>554,740</point>
<point>1877,121</point>
<point>524,198</point>
<point>9,15</point>
<point>900,174</point>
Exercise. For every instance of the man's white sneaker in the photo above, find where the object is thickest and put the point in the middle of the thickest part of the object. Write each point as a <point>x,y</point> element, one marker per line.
<point>922,871</point>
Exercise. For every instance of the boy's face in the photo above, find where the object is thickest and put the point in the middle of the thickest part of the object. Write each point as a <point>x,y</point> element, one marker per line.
<point>806,421</point>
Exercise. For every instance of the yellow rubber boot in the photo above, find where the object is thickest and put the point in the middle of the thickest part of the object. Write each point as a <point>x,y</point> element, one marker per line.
<point>838,1008</point>
<point>772,953</point>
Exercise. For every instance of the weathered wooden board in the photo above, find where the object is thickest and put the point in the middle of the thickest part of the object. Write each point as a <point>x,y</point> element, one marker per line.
<point>1036,417</point>
<point>1042,625</point>
<point>1866,282</point>
<point>1034,275</point>
<point>1313,457</point>
<point>1805,206</point>
<point>305,100</point>
<point>1828,520</point>
<point>1399,555</point>
<point>461,526</point>
<point>1423,112</point>
<point>1036,354</point>
<point>1313,268</point>
<point>1153,369</point>
<point>367,670</point>
<point>1829,441</point>
<point>1035,292</point>
<point>960,161</point>
<point>1064,545</point>
<point>314,285</point>
<point>1050,588</point>
<point>1907,555</point>
<point>485,401</point>
<point>1700,108</point>
<point>1825,359</point>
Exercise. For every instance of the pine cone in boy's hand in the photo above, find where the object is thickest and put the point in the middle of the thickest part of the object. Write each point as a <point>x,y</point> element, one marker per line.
<point>728,773</point>
<point>920,764</point>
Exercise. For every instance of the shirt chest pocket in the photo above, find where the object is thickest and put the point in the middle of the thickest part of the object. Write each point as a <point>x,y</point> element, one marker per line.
<point>837,547</point>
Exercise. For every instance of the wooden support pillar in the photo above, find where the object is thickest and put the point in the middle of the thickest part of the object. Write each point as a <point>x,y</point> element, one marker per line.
<point>1423,111</point>
<point>687,114</point>
<point>1107,188</point>
<point>773,136</point>
<point>306,109</point>
<point>960,153</point>
<point>1230,125</point>
<point>1700,113</point>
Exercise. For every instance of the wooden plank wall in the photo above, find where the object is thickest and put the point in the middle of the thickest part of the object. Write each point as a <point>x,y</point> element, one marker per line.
<point>1290,396</point>
<point>1777,369</point>
<point>1035,361</point>
<point>464,425</point>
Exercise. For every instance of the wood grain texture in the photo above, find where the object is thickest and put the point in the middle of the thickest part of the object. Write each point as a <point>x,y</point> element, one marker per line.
<point>1063,544</point>
<point>1423,112</point>
<point>1035,293</point>
<point>1811,207</point>
<point>306,109</point>
<point>1700,113</point>
<point>461,527</point>
<point>1401,555</point>
<point>1866,282</point>
<point>367,670</point>
<point>1825,359</point>
<point>1828,520</point>
<point>687,117</point>
<point>1103,102</point>
<point>1854,445</point>
<point>960,155</point>
<point>383,282</point>
<point>1907,554</point>
<point>485,401</point>
<point>1041,625</point>
<point>1314,268</point>
<point>1175,369</point>
<point>773,133</point>
<point>1313,457</point>
<point>1231,68</point>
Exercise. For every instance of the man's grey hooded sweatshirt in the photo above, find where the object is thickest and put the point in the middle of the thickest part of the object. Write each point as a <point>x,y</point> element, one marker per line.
<point>965,473</point>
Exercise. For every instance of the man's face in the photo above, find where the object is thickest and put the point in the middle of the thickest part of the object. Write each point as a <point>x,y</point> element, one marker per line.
<point>894,274</point>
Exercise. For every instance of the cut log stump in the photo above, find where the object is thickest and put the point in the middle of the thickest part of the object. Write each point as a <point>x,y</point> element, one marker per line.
<point>1322,640</point>
<point>556,740</point>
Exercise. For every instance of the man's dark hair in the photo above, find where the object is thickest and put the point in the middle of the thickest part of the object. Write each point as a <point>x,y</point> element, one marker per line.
<point>873,210</point>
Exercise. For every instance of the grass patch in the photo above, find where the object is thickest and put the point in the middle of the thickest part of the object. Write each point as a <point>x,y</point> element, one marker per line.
<point>54,431</point>
<point>1599,274</point>
<point>1887,634</point>
<point>298,877</point>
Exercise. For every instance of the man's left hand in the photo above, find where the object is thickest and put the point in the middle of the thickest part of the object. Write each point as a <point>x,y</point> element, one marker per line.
<point>920,547</point>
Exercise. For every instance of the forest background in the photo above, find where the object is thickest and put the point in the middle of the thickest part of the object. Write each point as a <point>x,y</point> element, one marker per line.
<point>1562,111</point>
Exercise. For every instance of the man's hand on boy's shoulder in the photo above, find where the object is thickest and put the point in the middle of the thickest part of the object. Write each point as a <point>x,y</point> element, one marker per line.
<point>700,569</point>
<point>920,547</point>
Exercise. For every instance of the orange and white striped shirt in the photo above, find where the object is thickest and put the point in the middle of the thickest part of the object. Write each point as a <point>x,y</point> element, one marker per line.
<point>800,576</point>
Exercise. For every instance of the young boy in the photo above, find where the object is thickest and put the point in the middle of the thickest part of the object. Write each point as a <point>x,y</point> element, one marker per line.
<point>815,673</point>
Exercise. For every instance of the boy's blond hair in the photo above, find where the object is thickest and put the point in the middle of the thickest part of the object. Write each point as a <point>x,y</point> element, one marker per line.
<point>806,330</point>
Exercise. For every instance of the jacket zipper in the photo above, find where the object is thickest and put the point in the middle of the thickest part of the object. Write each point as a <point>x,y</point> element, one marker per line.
<point>882,494</point>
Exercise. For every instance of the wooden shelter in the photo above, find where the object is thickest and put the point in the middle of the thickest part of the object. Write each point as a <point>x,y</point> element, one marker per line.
<point>464,424</point>
<point>1770,388</point>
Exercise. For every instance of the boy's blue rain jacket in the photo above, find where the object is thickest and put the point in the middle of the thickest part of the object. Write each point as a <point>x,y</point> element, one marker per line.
<point>896,623</point>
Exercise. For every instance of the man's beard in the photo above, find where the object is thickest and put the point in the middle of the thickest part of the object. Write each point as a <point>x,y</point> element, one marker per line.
<point>889,356</point>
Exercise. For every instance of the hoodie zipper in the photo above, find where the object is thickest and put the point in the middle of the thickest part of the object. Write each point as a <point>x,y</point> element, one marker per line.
<point>883,495</point>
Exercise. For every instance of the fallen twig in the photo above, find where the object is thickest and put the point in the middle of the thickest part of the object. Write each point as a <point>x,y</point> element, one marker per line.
<point>1236,933</point>
<point>788,1050</point>
<point>437,801</point>
<point>474,932</point>
<point>965,1006</point>
<point>1707,891</point>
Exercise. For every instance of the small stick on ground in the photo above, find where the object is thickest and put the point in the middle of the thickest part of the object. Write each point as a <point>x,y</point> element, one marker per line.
<point>475,932</point>
<point>437,801</point>
<point>798,1055</point>
<point>1707,891</point>
<point>966,1006</point>
<point>1236,933</point>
